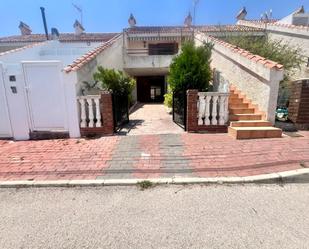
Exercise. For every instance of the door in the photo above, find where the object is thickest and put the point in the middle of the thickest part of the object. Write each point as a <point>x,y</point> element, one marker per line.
<point>5,124</point>
<point>150,88</point>
<point>46,98</point>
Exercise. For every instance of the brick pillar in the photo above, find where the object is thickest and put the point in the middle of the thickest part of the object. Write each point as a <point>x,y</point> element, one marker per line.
<point>107,113</point>
<point>191,121</point>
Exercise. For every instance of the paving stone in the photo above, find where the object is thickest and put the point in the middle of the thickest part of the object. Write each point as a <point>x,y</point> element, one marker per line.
<point>150,156</point>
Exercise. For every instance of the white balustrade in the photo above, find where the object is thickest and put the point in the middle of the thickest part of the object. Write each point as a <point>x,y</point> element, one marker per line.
<point>90,114</point>
<point>212,108</point>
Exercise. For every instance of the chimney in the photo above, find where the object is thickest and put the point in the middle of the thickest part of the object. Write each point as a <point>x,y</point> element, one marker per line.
<point>24,29</point>
<point>242,14</point>
<point>54,34</point>
<point>188,20</point>
<point>132,21</point>
<point>79,29</point>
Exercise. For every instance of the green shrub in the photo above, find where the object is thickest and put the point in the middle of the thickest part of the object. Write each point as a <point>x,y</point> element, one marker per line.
<point>114,80</point>
<point>191,68</point>
<point>168,99</point>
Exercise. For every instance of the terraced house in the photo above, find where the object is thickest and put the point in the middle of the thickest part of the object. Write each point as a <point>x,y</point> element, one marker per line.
<point>246,85</point>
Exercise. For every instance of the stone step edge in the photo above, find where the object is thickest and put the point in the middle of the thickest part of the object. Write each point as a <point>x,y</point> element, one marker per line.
<point>292,176</point>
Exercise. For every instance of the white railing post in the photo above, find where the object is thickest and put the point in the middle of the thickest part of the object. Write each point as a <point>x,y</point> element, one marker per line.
<point>83,116</point>
<point>201,109</point>
<point>219,112</point>
<point>90,113</point>
<point>226,109</point>
<point>98,112</point>
<point>214,110</point>
<point>207,111</point>
<point>90,100</point>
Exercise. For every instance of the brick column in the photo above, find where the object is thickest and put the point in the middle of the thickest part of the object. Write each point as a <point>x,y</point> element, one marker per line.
<point>191,121</point>
<point>107,113</point>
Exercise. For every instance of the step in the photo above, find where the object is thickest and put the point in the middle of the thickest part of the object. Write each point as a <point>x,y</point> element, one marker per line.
<point>241,111</point>
<point>254,132</point>
<point>238,117</point>
<point>235,96</point>
<point>250,123</point>
<point>236,101</point>
<point>241,105</point>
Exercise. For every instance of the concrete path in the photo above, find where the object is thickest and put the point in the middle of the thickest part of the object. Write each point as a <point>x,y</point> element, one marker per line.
<point>151,156</point>
<point>251,216</point>
<point>150,119</point>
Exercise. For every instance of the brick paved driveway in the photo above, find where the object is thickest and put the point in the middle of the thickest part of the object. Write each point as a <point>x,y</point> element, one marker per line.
<point>165,155</point>
<point>151,119</point>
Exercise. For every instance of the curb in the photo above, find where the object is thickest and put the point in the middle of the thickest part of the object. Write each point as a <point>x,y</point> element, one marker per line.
<point>293,176</point>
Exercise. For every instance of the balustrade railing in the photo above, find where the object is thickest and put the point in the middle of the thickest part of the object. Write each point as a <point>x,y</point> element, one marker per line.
<point>90,113</point>
<point>212,108</point>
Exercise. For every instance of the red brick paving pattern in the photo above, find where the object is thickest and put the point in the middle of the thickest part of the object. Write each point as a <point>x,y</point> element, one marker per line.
<point>55,159</point>
<point>208,155</point>
<point>221,155</point>
<point>150,156</point>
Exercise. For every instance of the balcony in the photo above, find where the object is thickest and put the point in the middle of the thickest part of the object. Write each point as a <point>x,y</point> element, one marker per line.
<point>139,62</point>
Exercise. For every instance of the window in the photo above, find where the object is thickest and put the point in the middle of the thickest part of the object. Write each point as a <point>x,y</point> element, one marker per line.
<point>163,49</point>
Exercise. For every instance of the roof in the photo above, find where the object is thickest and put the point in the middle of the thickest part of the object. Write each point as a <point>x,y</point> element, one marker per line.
<point>78,63</point>
<point>202,28</point>
<point>228,28</point>
<point>273,23</point>
<point>64,37</point>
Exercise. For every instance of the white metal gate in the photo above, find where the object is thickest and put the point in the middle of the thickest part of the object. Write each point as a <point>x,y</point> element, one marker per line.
<point>5,124</point>
<point>46,98</point>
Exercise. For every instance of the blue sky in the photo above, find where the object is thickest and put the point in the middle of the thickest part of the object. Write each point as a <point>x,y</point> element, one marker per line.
<point>112,15</point>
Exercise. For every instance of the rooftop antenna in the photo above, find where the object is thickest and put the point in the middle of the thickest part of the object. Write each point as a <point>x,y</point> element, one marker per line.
<point>195,2</point>
<point>80,10</point>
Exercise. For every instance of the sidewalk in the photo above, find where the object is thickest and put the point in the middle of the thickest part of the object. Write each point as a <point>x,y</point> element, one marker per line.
<point>151,156</point>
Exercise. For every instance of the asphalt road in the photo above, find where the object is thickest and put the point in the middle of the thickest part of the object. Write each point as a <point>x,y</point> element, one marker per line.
<point>264,216</point>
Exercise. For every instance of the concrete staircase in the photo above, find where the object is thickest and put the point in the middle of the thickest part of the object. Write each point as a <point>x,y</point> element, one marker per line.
<point>246,122</point>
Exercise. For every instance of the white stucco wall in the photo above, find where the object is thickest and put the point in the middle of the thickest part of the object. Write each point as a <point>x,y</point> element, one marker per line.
<point>259,83</point>
<point>65,52</point>
<point>111,57</point>
<point>297,42</point>
<point>19,102</point>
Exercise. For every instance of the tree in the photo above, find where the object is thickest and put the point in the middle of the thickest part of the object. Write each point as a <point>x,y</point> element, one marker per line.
<point>191,68</point>
<point>114,80</point>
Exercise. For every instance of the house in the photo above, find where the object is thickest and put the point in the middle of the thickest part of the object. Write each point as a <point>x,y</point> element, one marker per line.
<point>79,36</point>
<point>292,30</point>
<point>57,69</point>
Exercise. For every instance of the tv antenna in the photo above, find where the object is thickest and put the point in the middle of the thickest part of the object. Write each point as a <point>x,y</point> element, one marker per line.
<point>195,2</point>
<point>80,10</point>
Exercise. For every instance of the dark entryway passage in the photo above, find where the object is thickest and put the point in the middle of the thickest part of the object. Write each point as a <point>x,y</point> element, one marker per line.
<point>150,88</point>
